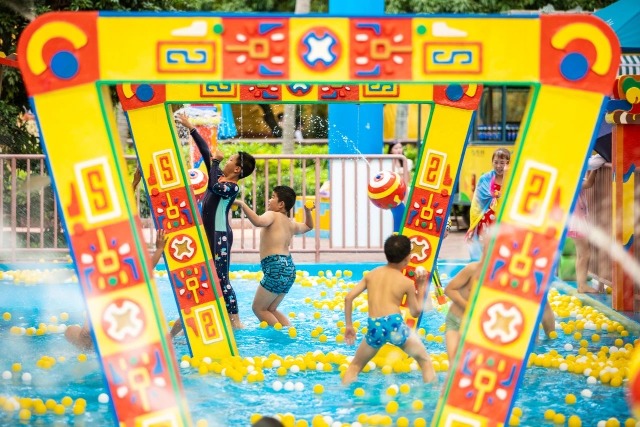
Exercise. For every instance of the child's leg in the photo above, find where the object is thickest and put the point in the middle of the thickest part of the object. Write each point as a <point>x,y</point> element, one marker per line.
<point>548,318</point>
<point>414,348</point>
<point>262,303</point>
<point>273,308</point>
<point>452,339</point>
<point>176,328</point>
<point>583,255</point>
<point>364,353</point>
<point>220,249</point>
<point>79,336</point>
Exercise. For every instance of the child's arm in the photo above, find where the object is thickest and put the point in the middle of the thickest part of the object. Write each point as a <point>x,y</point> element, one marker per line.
<point>264,220</point>
<point>137,176</point>
<point>415,294</point>
<point>459,281</point>
<point>300,227</point>
<point>589,180</point>
<point>199,140</point>
<point>349,331</point>
<point>161,240</point>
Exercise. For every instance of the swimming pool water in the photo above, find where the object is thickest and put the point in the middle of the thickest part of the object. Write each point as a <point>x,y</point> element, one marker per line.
<point>223,401</point>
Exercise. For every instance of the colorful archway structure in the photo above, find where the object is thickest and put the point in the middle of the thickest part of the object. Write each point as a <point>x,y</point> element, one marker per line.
<point>68,58</point>
<point>150,118</point>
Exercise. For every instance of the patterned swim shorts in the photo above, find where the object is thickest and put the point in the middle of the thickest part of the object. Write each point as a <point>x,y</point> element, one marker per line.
<point>279,273</point>
<point>388,329</point>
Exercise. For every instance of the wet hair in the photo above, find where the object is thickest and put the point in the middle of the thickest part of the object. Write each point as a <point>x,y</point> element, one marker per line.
<point>267,422</point>
<point>502,154</point>
<point>396,248</point>
<point>287,195</point>
<point>246,162</point>
<point>392,143</point>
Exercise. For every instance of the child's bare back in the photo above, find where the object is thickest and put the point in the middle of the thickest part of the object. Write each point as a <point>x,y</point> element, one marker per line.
<point>386,288</point>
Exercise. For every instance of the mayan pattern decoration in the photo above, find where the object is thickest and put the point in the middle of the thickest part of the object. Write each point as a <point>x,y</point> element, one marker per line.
<point>67,59</point>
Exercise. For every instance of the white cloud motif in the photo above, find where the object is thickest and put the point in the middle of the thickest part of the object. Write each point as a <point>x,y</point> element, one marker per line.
<point>441,29</point>
<point>196,29</point>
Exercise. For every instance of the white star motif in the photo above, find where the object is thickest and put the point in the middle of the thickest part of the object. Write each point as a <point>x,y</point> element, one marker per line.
<point>502,323</point>
<point>319,49</point>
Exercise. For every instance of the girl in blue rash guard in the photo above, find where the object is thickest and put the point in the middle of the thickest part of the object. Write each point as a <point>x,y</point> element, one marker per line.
<point>222,190</point>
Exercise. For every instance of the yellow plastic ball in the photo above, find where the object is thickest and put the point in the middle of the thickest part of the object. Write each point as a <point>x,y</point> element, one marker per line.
<point>612,422</point>
<point>82,357</point>
<point>359,392</point>
<point>59,409</point>
<point>263,324</point>
<point>16,367</point>
<point>417,405</point>
<point>514,420</point>
<point>6,316</point>
<point>419,422</point>
<point>553,335</point>
<point>66,401</point>
<point>277,326</point>
<point>630,422</point>
<point>574,421</point>
<point>517,411</point>
<point>405,388</point>
<point>549,414</point>
<point>559,418</point>
<point>24,415</point>
<point>318,389</point>
<point>570,399</point>
<point>392,407</point>
<point>595,337</point>
<point>202,423</point>
<point>402,422</point>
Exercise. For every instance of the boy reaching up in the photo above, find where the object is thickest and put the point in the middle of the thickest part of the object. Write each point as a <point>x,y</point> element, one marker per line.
<point>275,238</point>
<point>386,287</point>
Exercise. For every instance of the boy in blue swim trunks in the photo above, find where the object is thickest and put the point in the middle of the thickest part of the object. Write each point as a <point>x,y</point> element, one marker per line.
<point>386,287</point>
<point>276,262</point>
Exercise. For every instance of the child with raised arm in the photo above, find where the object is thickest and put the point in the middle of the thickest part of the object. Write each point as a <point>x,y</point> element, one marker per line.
<point>222,190</point>
<point>386,287</point>
<point>275,238</point>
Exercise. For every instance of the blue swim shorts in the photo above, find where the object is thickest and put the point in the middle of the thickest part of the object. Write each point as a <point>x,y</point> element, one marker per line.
<point>279,273</point>
<point>388,329</point>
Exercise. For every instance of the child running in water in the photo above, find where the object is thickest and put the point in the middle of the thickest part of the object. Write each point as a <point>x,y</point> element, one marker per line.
<point>386,287</point>
<point>276,262</point>
<point>222,190</point>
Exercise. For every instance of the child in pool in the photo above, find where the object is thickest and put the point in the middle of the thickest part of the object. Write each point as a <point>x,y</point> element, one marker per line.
<point>221,192</point>
<point>458,291</point>
<point>484,206</point>
<point>386,287</point>
<point>80,336</point>
<point>276,262</point>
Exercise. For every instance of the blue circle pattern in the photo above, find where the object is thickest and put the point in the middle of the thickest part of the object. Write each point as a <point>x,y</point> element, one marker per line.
<point>574,66</point>
<point>454,92</point>
<point>144,93</point>
<point>64,65</point>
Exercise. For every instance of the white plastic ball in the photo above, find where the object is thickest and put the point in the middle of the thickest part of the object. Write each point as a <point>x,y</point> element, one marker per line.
<point>294,369</point>
<point>563,367</point>
<point>184,364</point>
<point>288,386</point>
<point>298,386</point>
<point>6,375</point>
<point>26,377</point>
<point>276,363</point>
<point>587,372</point>
<point>206,360</point>
<point>586,393</point>
<point>591,380</point>
<point>320,367</point>
<point>276,386</point>
<point>103,398</point>
<point>568,347</point>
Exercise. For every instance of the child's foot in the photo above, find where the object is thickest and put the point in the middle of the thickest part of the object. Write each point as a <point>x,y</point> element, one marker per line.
<point>430,376</point>
<point>587,290</point>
